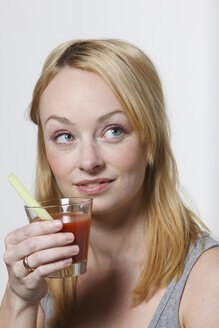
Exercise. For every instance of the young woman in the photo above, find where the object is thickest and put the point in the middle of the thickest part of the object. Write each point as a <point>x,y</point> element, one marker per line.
<point>103,133</point>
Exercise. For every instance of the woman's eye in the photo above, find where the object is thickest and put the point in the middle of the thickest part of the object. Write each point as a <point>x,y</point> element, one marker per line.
<point>64,138</point>
<point>115,131</point>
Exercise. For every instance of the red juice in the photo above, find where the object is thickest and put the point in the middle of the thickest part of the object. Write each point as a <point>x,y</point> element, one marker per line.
<point>79,225</point>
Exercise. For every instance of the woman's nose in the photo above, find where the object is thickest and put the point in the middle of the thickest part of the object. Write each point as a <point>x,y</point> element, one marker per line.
<point>90,159</point>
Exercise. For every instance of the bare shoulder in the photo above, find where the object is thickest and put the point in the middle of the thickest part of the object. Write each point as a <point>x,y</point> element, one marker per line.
<point>200,300</point>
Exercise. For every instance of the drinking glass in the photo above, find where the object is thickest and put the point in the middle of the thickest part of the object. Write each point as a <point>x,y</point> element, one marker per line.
<point>75,214</point>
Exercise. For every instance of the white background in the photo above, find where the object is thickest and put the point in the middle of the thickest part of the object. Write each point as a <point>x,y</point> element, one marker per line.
<point>181,37</point>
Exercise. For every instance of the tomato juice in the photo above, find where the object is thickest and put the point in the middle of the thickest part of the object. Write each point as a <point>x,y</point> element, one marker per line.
<point>79,225</point>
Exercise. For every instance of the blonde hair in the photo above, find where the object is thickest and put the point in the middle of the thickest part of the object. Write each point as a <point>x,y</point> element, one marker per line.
<point>135,82</point>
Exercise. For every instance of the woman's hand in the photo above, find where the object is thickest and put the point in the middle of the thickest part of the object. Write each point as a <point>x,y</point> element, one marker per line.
<point>47,251</point>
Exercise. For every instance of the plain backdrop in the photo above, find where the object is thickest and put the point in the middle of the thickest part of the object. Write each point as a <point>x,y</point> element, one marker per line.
<point>181,37</point>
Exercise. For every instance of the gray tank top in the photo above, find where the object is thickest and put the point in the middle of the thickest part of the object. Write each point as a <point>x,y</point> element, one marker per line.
<point>167,312</point>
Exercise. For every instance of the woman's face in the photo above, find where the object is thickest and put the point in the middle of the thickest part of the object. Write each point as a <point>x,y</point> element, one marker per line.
<point>91,146</point>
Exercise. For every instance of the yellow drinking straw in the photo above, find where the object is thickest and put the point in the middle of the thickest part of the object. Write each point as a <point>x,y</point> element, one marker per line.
<point>28,199</point>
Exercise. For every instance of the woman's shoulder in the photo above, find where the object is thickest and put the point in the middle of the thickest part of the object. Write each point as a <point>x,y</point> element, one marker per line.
<point>200,300</point>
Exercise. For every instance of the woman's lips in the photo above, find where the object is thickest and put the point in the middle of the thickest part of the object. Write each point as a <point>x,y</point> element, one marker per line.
<point>92,187</point>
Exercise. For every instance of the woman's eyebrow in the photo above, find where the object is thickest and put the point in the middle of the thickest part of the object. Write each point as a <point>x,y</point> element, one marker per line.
<point>108,115</point>
<point>66,121</point>
<point>60,119</point>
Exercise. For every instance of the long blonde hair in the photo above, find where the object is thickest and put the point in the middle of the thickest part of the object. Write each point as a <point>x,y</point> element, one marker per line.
<point>172,226</point>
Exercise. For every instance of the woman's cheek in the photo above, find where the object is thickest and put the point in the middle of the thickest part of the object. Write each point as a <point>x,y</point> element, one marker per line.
<point>58,163</point>
<point>128,158</point>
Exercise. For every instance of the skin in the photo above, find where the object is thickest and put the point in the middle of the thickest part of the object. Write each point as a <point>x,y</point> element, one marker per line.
<point>200,301</point>
<point>88,136</point>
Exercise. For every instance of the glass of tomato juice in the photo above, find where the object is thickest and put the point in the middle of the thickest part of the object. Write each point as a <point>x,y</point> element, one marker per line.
<point>75,214</point>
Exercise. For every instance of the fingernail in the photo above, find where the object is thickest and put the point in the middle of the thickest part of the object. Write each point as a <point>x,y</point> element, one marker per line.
<point>69,236</point>
<point>74,249</point>
<point>68,262</point>
<point>57,224</point>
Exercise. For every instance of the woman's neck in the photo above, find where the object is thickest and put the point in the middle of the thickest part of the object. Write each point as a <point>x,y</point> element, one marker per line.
<point>121,240</point>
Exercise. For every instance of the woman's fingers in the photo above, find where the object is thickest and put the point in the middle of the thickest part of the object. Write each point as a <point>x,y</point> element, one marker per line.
<point>44,257</point>
<point>31,230</point>
<point>46,270</point>
<point>52,255</point>
<point>47,251</point>
<point>38,243</point>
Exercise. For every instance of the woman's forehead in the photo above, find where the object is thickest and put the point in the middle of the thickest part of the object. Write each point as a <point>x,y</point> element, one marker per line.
<point>74,89</point>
